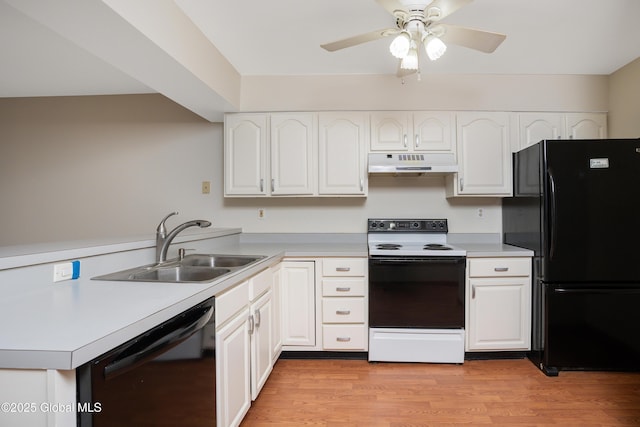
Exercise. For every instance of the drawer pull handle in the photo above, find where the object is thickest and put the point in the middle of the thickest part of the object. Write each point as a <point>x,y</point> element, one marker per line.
<point>343,312</point>
<point>343,339</point>
<point>343,268</point>
<point>473,292</point>
<point>501,269</point>
<point>343,289</point>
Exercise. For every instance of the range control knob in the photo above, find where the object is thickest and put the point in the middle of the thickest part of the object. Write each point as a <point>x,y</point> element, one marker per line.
<point>415,225</point>
<point>392,225</point>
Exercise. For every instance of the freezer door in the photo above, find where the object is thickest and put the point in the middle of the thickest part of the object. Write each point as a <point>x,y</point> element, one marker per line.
<point>592,328</point>
<point>591,218</point>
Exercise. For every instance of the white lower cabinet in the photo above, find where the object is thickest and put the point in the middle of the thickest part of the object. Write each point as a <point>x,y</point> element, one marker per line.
<point>298,315</point>
<point>344,304</point>
<point>498,314</point>
<point>244,350</point>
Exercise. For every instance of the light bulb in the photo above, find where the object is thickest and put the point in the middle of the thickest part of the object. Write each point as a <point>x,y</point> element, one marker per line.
<point>410,62</point>
<point>399,47</point>
<point>435,48</point>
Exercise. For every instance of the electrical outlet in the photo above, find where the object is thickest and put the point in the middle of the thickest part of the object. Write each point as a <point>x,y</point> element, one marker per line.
<point>262,213</point>
<point>480,213</point>
<point>66,271</point>
<point>206,187</point>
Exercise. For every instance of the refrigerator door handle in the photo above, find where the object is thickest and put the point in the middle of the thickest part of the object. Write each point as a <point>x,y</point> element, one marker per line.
<point>553,216</point>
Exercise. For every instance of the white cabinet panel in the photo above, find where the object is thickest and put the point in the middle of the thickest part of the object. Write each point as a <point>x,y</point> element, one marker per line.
<point>484,156</point>
<point>245,154</point>
<point>298,303</point>
<point>586,125</point>
<point>534,127</point>
<point>293,139</point>
<point>343,138</point>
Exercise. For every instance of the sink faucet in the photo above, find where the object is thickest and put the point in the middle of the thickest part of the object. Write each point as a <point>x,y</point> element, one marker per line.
<point>163,240</point>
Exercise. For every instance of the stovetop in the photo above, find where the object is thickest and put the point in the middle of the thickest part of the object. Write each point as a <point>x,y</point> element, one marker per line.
<point>410,237</point>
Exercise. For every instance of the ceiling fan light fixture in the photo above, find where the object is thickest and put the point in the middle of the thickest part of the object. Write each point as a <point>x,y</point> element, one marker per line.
<point>434,47</point>
<point>410,62</point>
<point>400,45</point>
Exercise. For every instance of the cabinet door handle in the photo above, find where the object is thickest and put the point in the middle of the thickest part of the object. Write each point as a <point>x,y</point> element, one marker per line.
<point>261,185</point>
<point>501,269</point>
<point>343,339</point>
<point>273,185</point>
<point>251,325</point>
<point>404,140</point>
<point>343,312</point>
<point>343,289</point>
<point>473,291</point>
<point>362,185</point>
<point>257,316</point>
<point>343,268</point>
<point>417,140</point>
<point>461,184</point>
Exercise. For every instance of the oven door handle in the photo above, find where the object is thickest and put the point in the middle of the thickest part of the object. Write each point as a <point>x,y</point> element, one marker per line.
<point>421,260</point>
<point>152,346</point>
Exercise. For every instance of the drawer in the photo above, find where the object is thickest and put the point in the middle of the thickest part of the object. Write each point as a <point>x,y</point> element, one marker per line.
<point>231,302</point>
<point>347,287</point>
<point>344,266</point>
<point>497,267</point>
<point>344,337</point>
<point>343,310</point>
<point>259,284</point>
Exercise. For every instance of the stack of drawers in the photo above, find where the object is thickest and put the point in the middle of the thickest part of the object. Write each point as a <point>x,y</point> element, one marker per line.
<point>344,304</point>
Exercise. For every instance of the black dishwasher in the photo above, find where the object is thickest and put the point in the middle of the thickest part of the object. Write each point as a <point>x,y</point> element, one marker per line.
<point>164,377</point>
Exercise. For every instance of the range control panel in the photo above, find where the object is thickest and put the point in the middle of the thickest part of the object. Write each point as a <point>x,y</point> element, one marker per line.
<point>408,225</point>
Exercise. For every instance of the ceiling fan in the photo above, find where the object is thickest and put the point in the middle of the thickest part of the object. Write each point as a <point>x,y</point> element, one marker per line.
<point>418,23</point>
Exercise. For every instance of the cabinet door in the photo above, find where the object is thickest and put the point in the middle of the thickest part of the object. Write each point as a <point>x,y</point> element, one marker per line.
<point>245,154</point>
<point>432,131</point>
<point>261,349</point>
<point>298,303</point>
<point>484,154</point>
<point>390,131</point>
<point>499,314</point>
<point>534,127</point>
<point>342,153</point>
<point>233,371</point>
<point>276,313</point>
<point>293,138</point>
<point>586,125</point>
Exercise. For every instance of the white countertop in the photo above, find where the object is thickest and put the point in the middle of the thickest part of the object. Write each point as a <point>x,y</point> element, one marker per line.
<point>66,324</point>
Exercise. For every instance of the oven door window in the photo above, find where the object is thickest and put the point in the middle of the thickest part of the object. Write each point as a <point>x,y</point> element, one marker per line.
<point>416,292</point>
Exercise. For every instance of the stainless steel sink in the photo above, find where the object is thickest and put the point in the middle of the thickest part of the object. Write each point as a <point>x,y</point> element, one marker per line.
<point>192,268</point>
<point>204,260</point>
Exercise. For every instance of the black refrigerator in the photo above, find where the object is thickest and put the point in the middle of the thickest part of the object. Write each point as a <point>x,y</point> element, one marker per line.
<point>576,204</point>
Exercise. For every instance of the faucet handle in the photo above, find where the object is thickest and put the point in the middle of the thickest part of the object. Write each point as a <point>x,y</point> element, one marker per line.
<point>162,229</point>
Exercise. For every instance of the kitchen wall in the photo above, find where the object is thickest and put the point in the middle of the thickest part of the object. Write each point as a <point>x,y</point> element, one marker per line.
<point>100,166</point>
<point>91,167</point>
<point>624,101</point>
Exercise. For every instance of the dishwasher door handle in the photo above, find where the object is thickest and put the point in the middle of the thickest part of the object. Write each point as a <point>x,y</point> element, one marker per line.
<point>150,345</point>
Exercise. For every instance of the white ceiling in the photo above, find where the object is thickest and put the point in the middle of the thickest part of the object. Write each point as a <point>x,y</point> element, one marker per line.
<point>283,37</point>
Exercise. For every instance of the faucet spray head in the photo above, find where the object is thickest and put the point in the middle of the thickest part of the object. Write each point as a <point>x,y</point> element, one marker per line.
<point>204,224</point>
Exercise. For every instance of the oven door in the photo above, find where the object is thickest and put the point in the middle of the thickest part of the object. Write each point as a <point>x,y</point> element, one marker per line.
<point>421,292</point>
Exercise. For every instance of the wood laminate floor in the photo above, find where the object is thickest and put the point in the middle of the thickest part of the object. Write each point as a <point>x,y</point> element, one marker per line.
<point>481,392</point>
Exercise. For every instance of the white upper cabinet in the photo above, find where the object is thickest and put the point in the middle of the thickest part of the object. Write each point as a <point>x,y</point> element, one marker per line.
<point>586,125</point>
<point>534,127</point>
<point>293,138</point>
<point>280,154</point>
<point>245,154</point>
<point>342,153</point>
<point>484,156</point>
<point>420,131</point>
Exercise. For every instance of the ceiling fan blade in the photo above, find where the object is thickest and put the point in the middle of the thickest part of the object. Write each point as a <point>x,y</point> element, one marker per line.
<point>483,41</point>
<point>356,40</point>
<point>394,7</point>
<point>447,7</point>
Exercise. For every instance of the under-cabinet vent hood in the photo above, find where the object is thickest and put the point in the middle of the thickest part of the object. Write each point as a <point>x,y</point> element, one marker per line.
<point>398,163</point>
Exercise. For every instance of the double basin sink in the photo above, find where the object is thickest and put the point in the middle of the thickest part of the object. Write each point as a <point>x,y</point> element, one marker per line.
<point>190,269</point>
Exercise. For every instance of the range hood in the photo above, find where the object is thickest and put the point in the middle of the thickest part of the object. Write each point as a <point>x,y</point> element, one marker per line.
<point>399,163</point>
